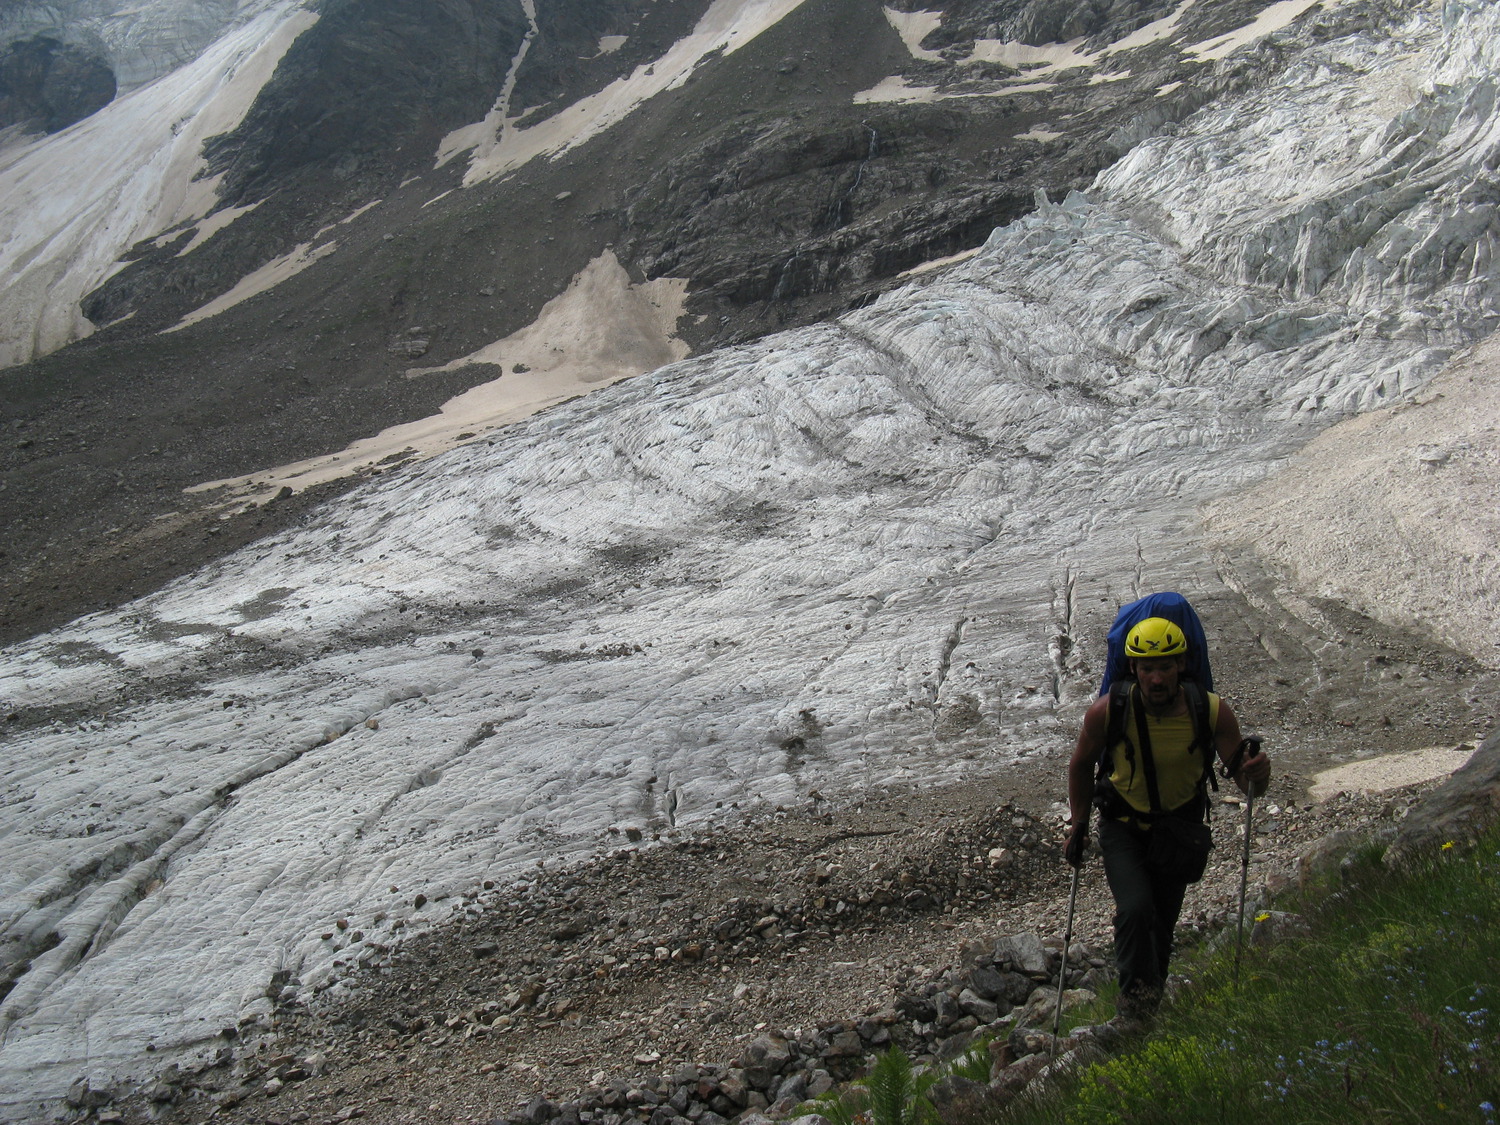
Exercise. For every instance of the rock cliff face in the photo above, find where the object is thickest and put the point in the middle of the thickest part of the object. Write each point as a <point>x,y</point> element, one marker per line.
<point>46,85</point>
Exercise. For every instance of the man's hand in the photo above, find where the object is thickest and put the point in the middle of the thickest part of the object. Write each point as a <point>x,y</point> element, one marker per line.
<point>1254,773</point>
<point>1078,842</point>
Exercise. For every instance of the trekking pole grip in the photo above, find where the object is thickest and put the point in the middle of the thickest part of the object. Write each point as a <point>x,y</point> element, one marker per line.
<point>1248,748</point>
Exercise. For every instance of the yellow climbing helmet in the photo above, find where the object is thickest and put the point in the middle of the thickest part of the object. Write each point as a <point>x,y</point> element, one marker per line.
<point>1155,636</point>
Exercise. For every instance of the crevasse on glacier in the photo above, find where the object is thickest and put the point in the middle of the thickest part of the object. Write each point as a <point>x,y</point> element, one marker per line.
<point>839,557</point>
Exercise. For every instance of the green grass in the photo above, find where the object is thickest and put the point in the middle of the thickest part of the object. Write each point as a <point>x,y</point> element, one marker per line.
<point>1389,1012</point>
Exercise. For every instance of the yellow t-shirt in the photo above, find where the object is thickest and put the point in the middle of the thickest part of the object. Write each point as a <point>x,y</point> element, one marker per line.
<point>1179,767</point>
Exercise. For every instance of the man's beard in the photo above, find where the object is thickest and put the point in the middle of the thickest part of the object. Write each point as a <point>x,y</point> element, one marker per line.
<point>1161,695</point>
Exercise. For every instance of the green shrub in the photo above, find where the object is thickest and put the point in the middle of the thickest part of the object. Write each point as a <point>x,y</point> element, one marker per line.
<point>1131,1086</point>
<point>893,1093</point>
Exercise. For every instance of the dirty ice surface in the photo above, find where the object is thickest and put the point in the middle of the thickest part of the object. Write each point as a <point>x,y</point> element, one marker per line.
<point>873,550</point>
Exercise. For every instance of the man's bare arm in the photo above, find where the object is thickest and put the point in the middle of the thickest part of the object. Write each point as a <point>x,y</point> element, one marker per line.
<point>1254,771</point>
<point>1085,757</point>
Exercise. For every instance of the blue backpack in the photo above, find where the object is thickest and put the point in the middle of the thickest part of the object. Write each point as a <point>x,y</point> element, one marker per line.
<point>1175,608</point>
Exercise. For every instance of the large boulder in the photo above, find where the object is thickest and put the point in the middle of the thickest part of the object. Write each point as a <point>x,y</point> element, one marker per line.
<point>1457,811</point>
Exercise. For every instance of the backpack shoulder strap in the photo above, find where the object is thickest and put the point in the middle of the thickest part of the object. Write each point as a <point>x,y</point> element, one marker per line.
<point>1114,731</point>
<point>1148,761</point>
<point>1203,734</point>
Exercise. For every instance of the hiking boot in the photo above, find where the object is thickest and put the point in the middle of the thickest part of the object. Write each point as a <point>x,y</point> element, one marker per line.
<point>1115,1034</point>
<point>1139,1005</point>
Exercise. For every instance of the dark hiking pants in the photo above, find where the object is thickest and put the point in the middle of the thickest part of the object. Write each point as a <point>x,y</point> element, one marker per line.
<point>1146,909</point>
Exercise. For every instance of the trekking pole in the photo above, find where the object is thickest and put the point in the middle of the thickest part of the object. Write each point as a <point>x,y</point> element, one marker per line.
<point>1062,971</point>
<point>1253,747</point>
<point>1239,940</point>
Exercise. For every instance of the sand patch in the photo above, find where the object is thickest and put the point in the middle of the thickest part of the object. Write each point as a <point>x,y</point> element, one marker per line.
<point>1388,771</point>
<point>601,329</point>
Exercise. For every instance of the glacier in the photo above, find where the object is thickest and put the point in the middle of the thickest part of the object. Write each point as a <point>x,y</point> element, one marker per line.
<point>865,553</point>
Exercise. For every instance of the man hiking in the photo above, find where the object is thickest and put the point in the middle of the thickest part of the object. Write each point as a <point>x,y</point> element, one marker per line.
<point>1157,740</point>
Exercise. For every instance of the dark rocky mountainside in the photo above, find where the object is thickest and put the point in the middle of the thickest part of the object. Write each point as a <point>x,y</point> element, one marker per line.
<point>760,180</point>
<point>47,85</point>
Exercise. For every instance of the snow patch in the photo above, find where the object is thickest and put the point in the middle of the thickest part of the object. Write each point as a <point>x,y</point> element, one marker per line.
<point>1053,58</point>
<point>913,27</point>
<point>349,218</point>
<point>1274,18</point>
<point>1388,771</point>
<point>214,224</point>
<point>269,276</point>
<point>497,145</point>
<point>1036,61</point>
<point>1153,32</point>
<point>939,263</point>
<point>896,89</point>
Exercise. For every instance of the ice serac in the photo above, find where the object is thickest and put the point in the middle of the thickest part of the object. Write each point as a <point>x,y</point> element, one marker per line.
<point>840,557</point>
